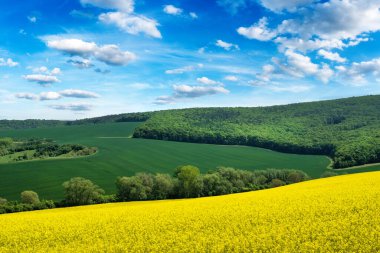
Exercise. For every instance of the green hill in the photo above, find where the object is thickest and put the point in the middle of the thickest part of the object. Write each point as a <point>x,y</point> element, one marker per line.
<point>348,130</point>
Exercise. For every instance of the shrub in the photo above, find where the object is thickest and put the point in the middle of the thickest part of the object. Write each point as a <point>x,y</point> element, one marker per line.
<point>81,191</point>
<point>29,197</point>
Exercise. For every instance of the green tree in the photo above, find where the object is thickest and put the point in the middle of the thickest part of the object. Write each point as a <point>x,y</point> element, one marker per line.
<point>3,201</point>
<point>81,191</point>
<point>130,188</point>
<point>163,186</point>
<point>190,182</point>
<point>276,183</point>
<point>29,197</point>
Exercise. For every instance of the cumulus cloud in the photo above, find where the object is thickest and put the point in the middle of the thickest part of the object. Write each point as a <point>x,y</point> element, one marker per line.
<point>187,91</point>
<point>231,78</point>
<point>207,81</point>
<point>72,107</point>
<point>225,45</point>
<point>78,94</point>
<point>53,95</point>
<point>73,46</point>
<point>172,10</point>
<point>81,63</point>
<point>331,56</point>
<point>232,6</point>
<point>28,96</point>
<point>50,95</point>
<point>41,79</point>
<point>132,24</point>
<point>358,72</point>
<point>109,54</point>
<point>122,5</point>
<point>8,62</point>
<point>258,31</point>
<point>281,5</point>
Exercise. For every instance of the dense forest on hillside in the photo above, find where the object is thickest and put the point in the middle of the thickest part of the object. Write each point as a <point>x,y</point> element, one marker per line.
<point>348,130</point>
<point>36,123</point>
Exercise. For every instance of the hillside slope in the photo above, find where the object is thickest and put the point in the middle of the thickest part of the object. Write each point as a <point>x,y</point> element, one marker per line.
<point>348,129</point>
<point>337,214</point>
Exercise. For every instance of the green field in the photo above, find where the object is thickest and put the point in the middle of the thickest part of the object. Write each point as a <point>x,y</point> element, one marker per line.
<point>120,155</point>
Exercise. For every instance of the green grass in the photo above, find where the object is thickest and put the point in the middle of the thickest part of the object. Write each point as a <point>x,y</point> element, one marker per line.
<point>123,156</point>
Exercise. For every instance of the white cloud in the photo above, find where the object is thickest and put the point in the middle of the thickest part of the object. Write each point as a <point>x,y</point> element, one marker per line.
<point>112,55</point>
<point>53,95</point>
<point>207,81</point>
<point>258,31</point>
<point>133,24</point>
<point>197,91</point>
<point>41,79</point>
<point>291,88</point>
<point>122,5</point>
<point>341,20</point>
<point>358,72</point>
<point>180,70</point>
<point>29,96</point>
<point>225,45</point>
<point>172,10</point>
<point>325,73</point>
<point>81,63</point>
<point>164,100</point>
<point>231,78</point>
<point>232,6</point>
<point>305,45</point>
<point>78,94</point>
<point>109,54</point>
<point>32,19</point>
<point>73,46</point>
<point>331,56</point>
<point>72,107</point>
<point>8,62</point>
<point>193,15</point>
<point>50,95</point>
<point>301,62</point>
<point>56,71</point>
<point>281,5</point>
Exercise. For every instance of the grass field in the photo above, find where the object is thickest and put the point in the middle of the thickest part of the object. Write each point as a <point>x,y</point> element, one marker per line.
<point>339,214</point>
<point>119,156</point>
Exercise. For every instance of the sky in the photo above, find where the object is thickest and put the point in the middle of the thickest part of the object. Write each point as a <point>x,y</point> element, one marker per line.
<point>72,59</point>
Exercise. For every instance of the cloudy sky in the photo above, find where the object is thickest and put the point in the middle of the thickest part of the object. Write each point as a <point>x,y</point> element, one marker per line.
<point>69,59</point>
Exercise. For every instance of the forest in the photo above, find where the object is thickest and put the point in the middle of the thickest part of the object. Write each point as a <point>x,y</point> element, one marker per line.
<point>347,130</point>
<point>32,149</point>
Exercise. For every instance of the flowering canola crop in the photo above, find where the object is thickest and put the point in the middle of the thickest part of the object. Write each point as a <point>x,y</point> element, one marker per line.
<point>339,214</point>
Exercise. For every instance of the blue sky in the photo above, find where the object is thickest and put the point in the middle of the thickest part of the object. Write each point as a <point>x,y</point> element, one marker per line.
<point>83,58</point>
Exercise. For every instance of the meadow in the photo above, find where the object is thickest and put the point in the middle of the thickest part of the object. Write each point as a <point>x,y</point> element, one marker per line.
<point>120,155</point>
<point>338,214</point>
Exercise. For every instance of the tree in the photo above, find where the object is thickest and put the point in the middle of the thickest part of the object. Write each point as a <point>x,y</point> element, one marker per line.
<point>296,177</point>
<point>190,182</point>
<point>276,183</point>
<point>163,186</point>
<point>130,188</point>
<point>214,184</point>
<point>3,201</point>
<point>29,197</point>
<point>81,191</point>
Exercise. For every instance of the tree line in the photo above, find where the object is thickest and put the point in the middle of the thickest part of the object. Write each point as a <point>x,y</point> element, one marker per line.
<point>186,182</point>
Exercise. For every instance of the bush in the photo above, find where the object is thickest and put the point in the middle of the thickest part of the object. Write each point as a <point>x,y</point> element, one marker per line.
<point>276,183</point>
<point>29,197</point>
<point>130,188</point>
<point>3,201</point>
<point>81,191</point>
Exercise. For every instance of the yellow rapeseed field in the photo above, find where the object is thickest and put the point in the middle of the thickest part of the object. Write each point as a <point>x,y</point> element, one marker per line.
<point>340,214</point>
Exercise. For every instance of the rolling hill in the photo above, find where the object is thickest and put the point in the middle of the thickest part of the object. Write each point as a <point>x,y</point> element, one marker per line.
<point>348,130</point>
<point>338,214</point>
<point>120,155</point>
